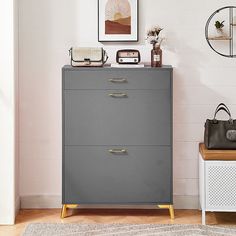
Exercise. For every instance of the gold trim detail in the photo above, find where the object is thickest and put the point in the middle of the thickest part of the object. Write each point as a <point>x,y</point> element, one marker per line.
<point>73,206</point>
<point>65,207</point>
<point>171,210</point>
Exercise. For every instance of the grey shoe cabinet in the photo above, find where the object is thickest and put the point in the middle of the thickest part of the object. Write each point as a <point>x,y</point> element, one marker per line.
<point>117,136</point>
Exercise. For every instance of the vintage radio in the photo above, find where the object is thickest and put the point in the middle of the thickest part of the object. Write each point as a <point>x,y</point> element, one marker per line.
<point>128,56</point>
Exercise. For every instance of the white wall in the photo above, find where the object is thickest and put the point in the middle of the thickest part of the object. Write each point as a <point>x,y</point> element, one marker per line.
<point>201,80</point>
<point>8,77</point>
<point>17,113</point>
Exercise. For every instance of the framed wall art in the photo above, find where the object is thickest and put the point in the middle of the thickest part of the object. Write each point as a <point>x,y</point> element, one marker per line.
<point>117,20</point>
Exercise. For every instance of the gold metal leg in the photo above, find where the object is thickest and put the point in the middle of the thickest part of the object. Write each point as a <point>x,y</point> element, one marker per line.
<point>172,213</point>
<point>63,211</point>
<point>65,207</point>
<point>171,210</point>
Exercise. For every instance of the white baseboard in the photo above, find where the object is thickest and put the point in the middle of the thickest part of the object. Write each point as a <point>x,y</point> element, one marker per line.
<point>17,206</point>
<point>40,201</point>
<point>186,202</point>
<point>48,202</point>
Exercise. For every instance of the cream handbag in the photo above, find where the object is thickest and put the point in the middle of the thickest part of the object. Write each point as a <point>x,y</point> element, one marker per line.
<point>85,56</point>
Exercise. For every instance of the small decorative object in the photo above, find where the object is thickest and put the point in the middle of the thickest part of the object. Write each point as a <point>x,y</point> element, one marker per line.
<point>88,57</point>
<point>219,28</point>
<point>128,56</point>
<point>153,37</point>
<point>117,20</point>
<point>156,56</point>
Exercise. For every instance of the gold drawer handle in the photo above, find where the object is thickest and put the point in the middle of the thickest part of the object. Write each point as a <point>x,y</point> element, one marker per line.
<point>118,95</point>
<point>118,151</point>
<point>116,80</point>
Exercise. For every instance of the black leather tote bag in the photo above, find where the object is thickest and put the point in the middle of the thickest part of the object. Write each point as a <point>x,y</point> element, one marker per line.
<point>220,134</point>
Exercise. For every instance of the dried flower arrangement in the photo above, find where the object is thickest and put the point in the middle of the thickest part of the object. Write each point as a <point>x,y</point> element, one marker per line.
<point>153,35</point>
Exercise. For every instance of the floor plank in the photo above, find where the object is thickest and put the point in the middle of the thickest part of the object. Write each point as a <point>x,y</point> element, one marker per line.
<point>126,216</point>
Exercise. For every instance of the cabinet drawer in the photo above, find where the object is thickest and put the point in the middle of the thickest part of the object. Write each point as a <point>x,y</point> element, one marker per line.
<point>141,117</point>
<point>117,79</point>
<point>94,175</point>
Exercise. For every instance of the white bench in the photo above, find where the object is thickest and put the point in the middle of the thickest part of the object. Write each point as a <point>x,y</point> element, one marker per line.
<point>217,180</point>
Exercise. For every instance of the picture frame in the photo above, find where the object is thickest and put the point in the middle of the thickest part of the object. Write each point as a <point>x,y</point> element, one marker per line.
<point>118,20</point>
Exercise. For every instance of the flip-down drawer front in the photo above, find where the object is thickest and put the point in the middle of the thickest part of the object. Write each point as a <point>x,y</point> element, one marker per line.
<point>117,79</point>
<point>127,117</point>
<point>106,175</point>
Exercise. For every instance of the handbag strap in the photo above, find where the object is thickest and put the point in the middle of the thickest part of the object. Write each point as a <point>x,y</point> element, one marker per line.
<point>222,107</point>
<point>105,57</point>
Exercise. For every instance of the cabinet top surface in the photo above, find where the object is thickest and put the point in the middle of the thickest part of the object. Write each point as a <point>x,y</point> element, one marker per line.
<point>164,67</point>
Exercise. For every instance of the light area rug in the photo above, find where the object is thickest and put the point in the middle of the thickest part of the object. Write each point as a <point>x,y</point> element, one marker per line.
<point>42,229</point>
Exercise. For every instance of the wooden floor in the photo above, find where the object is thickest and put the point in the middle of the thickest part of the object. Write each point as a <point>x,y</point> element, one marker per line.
<point>114,216</point>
